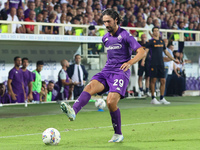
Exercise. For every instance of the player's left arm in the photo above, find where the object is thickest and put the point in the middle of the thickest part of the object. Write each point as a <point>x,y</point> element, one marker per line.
<point>141,53</point>
<point>170,56</point>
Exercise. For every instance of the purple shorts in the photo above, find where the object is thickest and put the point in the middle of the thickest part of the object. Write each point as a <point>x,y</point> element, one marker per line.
<point>112,82</point>
<point>20,98</point>
<point>36,96</point>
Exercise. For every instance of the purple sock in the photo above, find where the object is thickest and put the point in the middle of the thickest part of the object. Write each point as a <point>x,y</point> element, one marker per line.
<point>116,121</point>
<point>82,100</point>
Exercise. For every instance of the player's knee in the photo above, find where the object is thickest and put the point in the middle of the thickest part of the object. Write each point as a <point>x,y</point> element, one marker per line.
<point>88,88</point>
<point>162,81</point>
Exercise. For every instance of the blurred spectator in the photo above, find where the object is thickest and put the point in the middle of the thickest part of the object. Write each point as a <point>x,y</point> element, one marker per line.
<point>57,8</point>
<point>39,18</point>
<point>77,30</point>
<point>20,14</point>
<point>51,29</point>
<point>31,6</point>
<point>175,35</point>
<point>68,29</point>
<point>37,81</point>
<point>50,88</point>
<point>12,17</point>
<point>45,15</point>
<point>27,78</point>
<point>15,82</point>
<point>4,96</point>
<point>30,28</point>
<point>131,23</point>
<point>150,26</point>
<point>189,36</point>
<point>38,8</point>
<point>3,16</point>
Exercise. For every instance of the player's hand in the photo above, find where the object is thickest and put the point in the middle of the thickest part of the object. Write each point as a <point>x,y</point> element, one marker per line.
<point>125,66</point>
<point>84,82</point>
<point>176,61</point>
<point>143,63</point>
<point>13,96</point>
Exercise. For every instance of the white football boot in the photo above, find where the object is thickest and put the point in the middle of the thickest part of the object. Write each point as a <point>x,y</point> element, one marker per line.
<point>116,138</point>
<point>155,101</point>
<point>66,108</point>
<point>164,101</point>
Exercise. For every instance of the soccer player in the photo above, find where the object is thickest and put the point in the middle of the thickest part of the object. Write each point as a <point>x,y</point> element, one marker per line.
<point>115,75</point>
<point>156,47</point>
<point>15,82</point>
<point>64,81</point>
<point>37,84</point>
<point>27,76</point>
<point>143,66</point>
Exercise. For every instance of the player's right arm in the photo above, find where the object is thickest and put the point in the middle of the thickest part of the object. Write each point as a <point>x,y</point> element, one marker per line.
<point>10,91</point>
<point>143,60</point>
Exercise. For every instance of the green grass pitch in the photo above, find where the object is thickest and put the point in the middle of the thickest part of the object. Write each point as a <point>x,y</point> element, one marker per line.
<point>144,126</point>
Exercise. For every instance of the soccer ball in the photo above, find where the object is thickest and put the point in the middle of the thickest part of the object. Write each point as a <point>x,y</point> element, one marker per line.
<point>100,103</point>
<point>51,136</point>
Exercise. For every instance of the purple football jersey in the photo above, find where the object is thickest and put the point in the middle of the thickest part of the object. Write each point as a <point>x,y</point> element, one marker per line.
<point>119,49</point>
<point>17,80</point>
<point>27,76</point>
<point>5,98</point>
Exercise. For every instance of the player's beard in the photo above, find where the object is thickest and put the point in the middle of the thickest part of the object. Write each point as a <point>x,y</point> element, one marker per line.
<point>109,29</point>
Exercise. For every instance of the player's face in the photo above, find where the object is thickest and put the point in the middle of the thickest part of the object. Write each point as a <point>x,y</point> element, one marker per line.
<point>50,86</point>
<point>156,32</point>
<point>78,59</point>
<point>39,68</point>
<point>110,23</point>
<point>18,62</point>
<point>25,63</point>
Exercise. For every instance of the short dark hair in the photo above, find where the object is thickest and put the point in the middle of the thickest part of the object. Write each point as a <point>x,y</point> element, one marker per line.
<point>77,55</point>
<point>51,82</point>
<point>40,62</point>
<point>154,28</point>
<point>16,58</point>
<point>113,14</point>
<point>25,58</point>
<point>56,6</point>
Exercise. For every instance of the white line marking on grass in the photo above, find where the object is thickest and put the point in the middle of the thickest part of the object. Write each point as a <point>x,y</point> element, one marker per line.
<point>177,120</point>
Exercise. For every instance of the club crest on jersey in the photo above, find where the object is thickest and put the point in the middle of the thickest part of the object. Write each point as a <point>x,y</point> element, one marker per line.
<point>119,37</point>
<point>114,46</point>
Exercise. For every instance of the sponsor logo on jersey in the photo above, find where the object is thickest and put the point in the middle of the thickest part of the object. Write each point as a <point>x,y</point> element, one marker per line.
<point>114,46</point>
<point>158,45</point>
<point>106,39</point>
